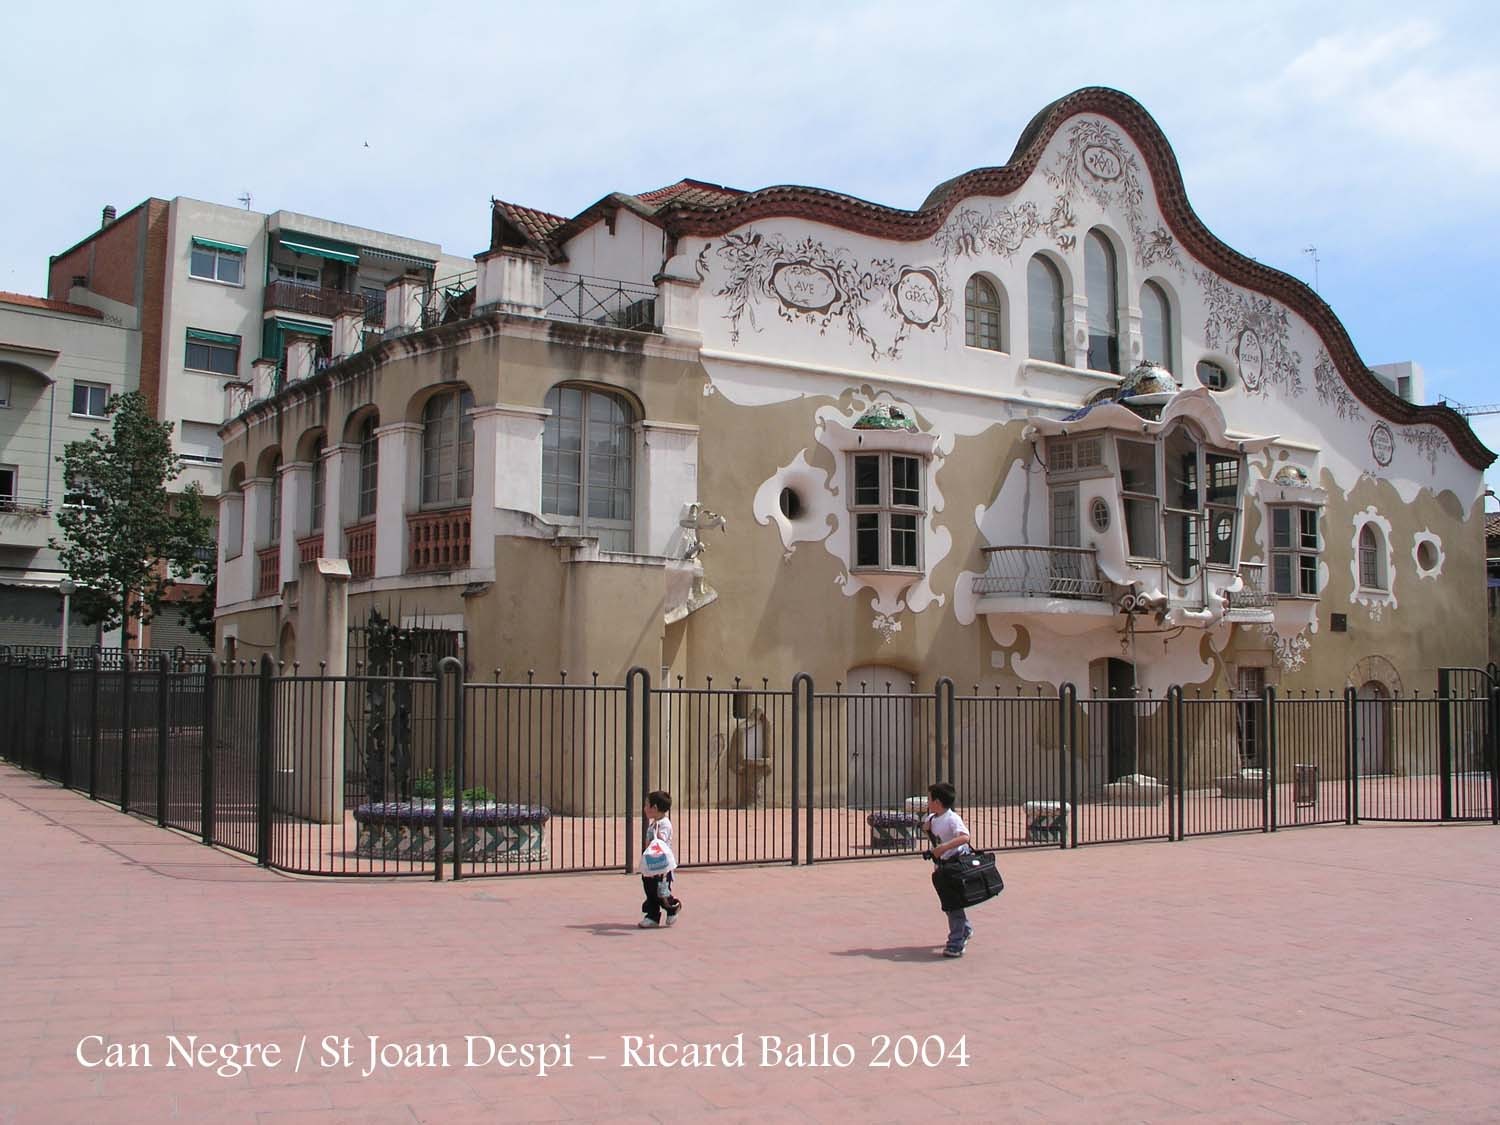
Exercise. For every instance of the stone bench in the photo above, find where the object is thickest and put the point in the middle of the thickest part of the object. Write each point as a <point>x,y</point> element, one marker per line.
<point>491,831</point>
<point>1247,785</point>
<point>1046,821</point>
<point>894,829</point>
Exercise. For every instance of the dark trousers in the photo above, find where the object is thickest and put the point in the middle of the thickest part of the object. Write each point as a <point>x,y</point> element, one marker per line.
<point>658,895</point>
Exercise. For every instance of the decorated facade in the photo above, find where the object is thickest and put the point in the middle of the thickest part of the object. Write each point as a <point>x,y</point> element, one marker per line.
<point>1046,429</point>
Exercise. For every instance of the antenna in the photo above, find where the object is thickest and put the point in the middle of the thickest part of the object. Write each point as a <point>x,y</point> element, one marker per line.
<point>244,198</point>
<point>1312,252</point>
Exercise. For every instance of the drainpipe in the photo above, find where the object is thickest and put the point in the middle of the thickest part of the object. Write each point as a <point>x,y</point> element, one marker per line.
<point>51,425</point>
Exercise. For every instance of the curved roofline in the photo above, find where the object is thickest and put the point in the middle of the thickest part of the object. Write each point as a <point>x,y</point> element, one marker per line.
<point>861,217</point>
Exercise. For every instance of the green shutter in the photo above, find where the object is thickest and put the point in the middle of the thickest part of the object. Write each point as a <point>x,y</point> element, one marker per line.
<point>210,244</point>
<point>213,337</point>
<point>320,247</point>
<point>302,327</point>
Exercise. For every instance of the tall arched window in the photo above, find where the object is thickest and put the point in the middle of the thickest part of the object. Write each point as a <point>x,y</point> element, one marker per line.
<point>1044,293</point>
<point>315,517</point>
<point>588,464</point>
<point>447,449</point>
<point>369,466</point>
<point>275,505</point>
<point>1156,326</point>
<point>981,314</point>
<point>1371,563</point>
<point>1099,287</point>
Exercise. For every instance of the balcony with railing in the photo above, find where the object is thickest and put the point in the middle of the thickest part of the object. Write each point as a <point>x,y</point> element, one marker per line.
<point>1252,596</point>
<point>598,300</point>
<point>359,546</point>
<point>268,571</point>
<point>310,548</point>
<point>1068,573</point>
<point>313,300</point>
<point>439,541</point>
<point>15,504</point>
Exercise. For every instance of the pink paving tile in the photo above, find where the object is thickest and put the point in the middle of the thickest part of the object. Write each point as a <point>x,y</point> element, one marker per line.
<point>1161,982</point>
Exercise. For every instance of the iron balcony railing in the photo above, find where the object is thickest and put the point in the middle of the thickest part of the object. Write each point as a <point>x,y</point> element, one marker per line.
<point>1042,572</point>
<point>447,299</point>
<point>16,504</point>
<point>313,300</point>
<point>599,300</point>
<point>1253,593</point>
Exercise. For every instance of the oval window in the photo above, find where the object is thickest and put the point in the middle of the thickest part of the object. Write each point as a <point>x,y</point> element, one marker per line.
<point>791,504</point>
<point>1099,514</point>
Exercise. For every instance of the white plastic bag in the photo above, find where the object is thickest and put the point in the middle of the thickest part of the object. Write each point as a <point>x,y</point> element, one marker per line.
<point>658,859</point>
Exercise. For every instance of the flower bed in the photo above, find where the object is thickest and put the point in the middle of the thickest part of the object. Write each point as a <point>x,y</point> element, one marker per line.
<point>491,831</point>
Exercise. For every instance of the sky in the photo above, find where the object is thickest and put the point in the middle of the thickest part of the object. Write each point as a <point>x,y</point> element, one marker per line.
<point>1362,129</point>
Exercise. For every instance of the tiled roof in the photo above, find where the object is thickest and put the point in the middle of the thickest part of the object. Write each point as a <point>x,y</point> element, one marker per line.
<point>693,192</point>
<point>27,301</point>
<point>532,225</point>
<point>1491,525</point>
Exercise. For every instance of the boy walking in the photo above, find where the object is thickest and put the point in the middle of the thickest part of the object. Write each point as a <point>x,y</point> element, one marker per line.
<point>658,888</point>
<point>950,839</point>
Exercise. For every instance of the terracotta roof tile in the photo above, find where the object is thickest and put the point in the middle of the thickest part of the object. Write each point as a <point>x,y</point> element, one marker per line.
<point>27,301</point>
<point>534,226</point>
<point>688,191</point>
<point>1491,524</point>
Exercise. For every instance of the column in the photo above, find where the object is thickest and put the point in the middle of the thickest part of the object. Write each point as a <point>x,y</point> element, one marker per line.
<point>510,281</point>
<point>403,304</point>
<point>296,511</point>
<point>348,333</point>
<point>257,531</point>
<point>677,299</point>
<point>301,357</point>
<point>507,471</point>
<point>399,477</point>
<point>233,585</point>
<point>340,495</point>
<point>1076,331</point>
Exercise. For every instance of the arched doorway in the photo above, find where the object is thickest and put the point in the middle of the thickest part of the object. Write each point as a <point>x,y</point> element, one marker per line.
<point>1372,712</point>
<point>878,719</point>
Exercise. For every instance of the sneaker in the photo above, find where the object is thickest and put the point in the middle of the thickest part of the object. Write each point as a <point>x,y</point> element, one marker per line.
<point>953,951</point>
<point>968,932</point>
<point>671,918</point>
<point>648,923</point>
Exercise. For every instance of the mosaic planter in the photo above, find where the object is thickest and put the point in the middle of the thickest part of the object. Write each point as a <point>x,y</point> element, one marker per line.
<point>491,832</point>
<point>894,829</point>
<point>1046,821</point>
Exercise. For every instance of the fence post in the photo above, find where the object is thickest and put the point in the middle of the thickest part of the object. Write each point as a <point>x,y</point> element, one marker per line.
<point>801,746</point>
<point>1067,704</point>
<point>451,664</point>
<point>1177,755</point>
<point>1272,738</point>
<point>947,713</point>
<point>641,678</point>
<point>44,713</point>
<point>265,745</point>
<point>69,717</point>
<point>125,732</point>
<point>1492,752</point>
<point>1351,755</point>
<point>206,756</point>
<point>439,772</point>
<point>95,723</point>
<point>632,677</point>
<point>809,752</point>
<point>163,724</point>
<point>1445,741</point>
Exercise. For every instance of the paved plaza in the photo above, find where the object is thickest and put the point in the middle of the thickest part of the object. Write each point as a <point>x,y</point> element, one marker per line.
<point>1315,974</point>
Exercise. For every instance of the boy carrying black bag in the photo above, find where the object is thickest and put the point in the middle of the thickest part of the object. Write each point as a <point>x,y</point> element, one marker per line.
<point>962,877</point>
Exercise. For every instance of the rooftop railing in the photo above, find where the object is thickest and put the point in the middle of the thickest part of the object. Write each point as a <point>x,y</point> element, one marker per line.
<point>599,300</point>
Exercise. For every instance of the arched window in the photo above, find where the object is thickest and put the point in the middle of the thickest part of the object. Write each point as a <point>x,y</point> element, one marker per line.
<point>1044,316</point>
<point>369,466</point>
<point>275,505</point>
<point>315,517</point>
<point>1371,560</point>
<point>1156,326</point>
<point>447,449</point>
<point>981,315</point>
<point>1099,287</point>
<point>588,464</point>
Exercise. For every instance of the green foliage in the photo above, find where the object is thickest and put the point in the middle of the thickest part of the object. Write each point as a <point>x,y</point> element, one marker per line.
<point>124,539</point>
<point>425,787</point>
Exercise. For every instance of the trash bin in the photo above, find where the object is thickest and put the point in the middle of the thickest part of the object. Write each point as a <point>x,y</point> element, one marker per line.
<point>1304,785</point>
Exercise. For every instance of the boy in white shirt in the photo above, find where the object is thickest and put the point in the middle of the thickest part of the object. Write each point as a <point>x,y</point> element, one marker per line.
<point>950,839</point>
<point>658,888</point>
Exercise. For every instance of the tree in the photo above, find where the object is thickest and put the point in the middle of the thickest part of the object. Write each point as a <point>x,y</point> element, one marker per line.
<point>124,538</point>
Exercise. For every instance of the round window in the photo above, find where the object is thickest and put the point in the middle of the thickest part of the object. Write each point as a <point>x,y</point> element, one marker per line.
<point>1212,376</point>
<point>1099,514</point>
<point>1224,528</point>
<point>791,504</point>
<point>1427,556</point>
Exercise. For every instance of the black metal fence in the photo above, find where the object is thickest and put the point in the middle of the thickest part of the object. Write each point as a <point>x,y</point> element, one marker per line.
<point>414,774</point>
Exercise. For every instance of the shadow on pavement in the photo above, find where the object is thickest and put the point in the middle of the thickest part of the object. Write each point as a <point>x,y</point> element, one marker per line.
<point>899,953</point>
<point>607,929</point>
